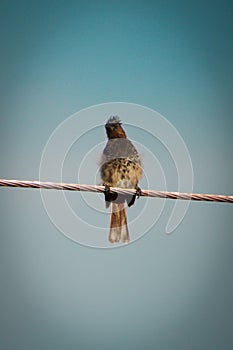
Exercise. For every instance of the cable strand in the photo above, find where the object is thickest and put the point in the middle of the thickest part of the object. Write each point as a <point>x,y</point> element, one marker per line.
<point>101,189</point>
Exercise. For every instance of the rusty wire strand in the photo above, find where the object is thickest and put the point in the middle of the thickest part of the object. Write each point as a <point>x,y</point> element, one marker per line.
<point>95,188</point>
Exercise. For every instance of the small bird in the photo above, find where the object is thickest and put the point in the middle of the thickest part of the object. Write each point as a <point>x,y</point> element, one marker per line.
<point>120,166</point>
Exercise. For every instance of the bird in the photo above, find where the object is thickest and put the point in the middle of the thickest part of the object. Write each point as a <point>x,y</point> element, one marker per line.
<point>120,166</point>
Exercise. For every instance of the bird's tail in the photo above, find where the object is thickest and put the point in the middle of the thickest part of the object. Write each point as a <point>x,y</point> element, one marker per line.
<point>118,224</point>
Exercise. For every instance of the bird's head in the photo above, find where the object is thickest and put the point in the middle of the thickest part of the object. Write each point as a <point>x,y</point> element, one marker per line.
<point>114,129</point>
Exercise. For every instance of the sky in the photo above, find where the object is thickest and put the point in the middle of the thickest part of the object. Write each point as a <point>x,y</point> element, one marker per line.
<point>166,68</point>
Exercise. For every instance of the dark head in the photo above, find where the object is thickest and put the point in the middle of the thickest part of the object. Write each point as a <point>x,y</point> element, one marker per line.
<point>114,129</point>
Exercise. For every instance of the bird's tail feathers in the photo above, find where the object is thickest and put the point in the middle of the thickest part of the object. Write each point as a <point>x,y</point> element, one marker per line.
<point>118,224</point>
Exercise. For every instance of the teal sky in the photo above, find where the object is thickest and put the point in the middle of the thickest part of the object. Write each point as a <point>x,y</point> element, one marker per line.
<point>161,292</point>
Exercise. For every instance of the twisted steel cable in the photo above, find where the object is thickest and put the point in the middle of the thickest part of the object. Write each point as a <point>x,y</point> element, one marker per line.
<point>95,188</point>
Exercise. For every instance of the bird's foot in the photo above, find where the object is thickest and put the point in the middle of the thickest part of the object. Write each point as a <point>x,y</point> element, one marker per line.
<point>109,196</point>
<point>137,194</point>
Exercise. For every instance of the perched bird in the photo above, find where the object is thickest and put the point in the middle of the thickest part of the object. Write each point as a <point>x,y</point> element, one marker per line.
<point>120,167</point>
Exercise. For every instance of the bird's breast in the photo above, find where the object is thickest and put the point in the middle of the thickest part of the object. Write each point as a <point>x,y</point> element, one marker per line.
<point>121,172</point>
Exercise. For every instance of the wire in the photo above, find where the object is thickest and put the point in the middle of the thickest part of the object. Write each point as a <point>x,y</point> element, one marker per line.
<point>95,188</point>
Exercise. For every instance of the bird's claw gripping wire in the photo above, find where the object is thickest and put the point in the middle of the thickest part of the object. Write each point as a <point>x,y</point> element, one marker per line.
<point>109,196</point>
<point>136,195</point>
<point>138,192</point>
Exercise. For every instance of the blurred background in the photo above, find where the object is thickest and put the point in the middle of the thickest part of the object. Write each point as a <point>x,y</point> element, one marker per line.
<point>163,291</point>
